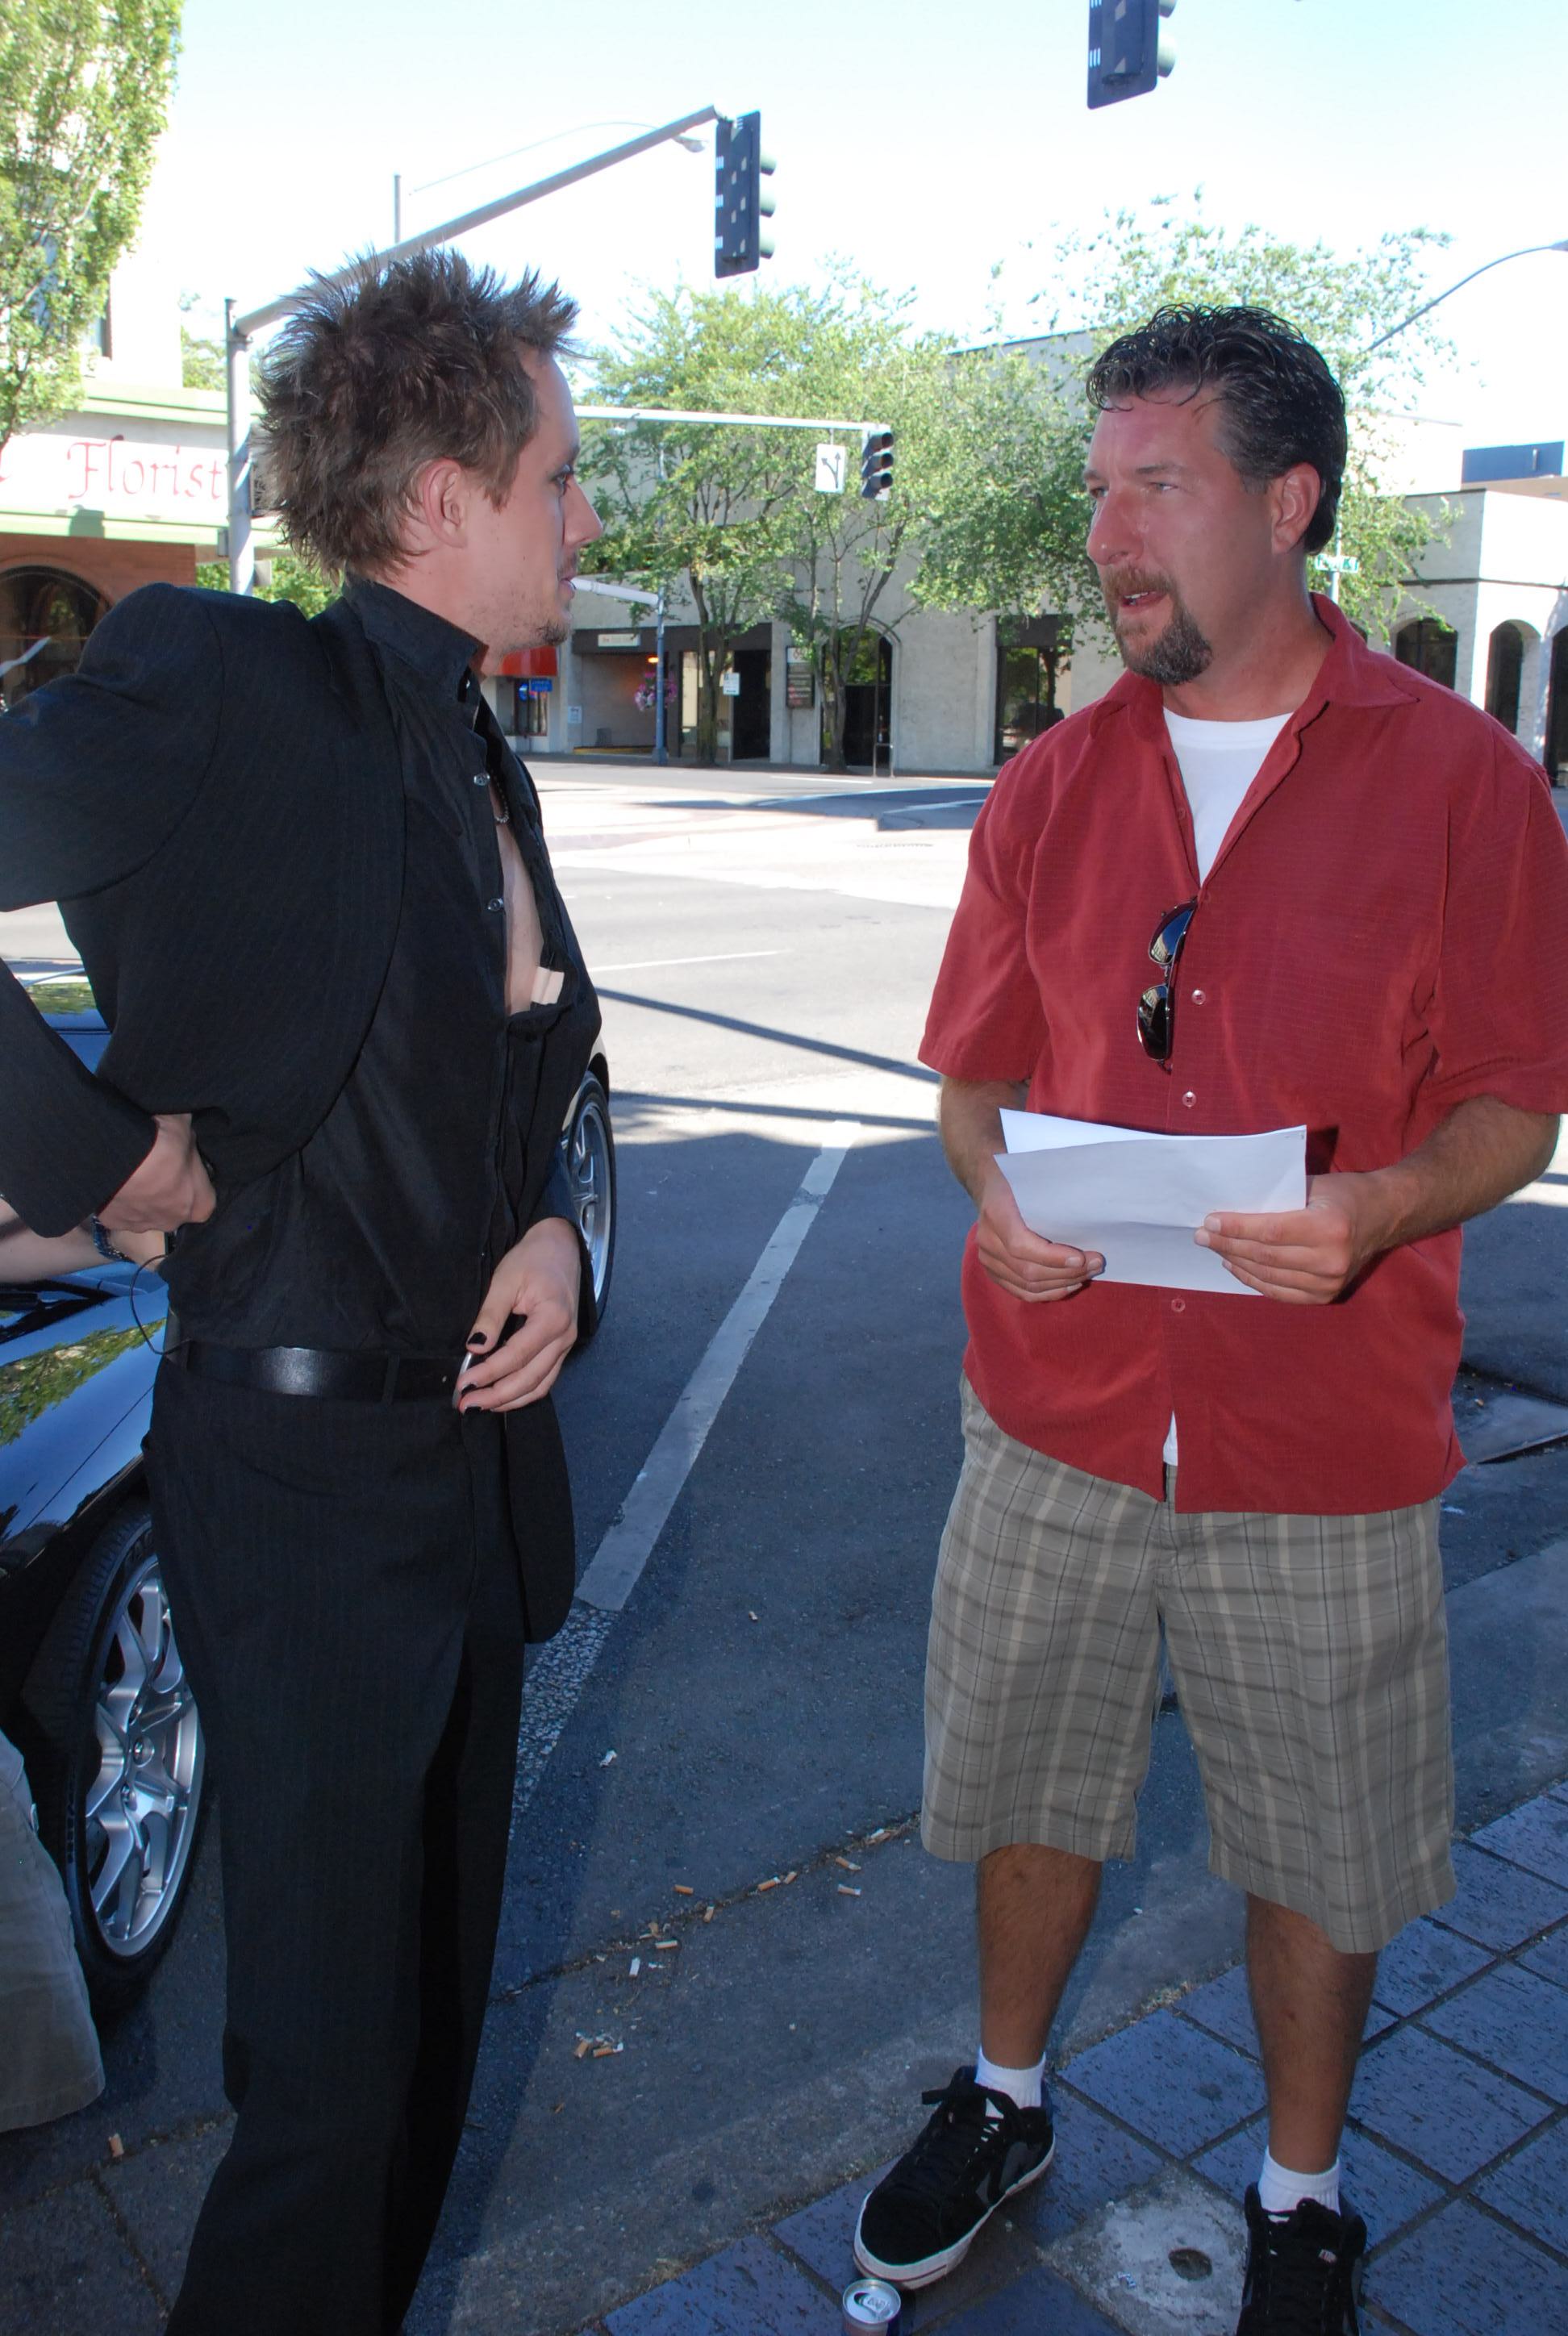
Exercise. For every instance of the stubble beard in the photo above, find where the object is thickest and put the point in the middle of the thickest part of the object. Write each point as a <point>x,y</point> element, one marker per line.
<point>1178,653</point>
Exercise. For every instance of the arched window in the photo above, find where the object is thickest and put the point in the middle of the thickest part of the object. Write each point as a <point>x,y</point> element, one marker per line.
<point>1556,756</point>
<point>1431,647</point>
<point>1504,664</point>
<point>45,617</point>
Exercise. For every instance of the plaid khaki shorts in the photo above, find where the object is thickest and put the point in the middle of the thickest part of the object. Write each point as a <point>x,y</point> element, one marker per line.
<point>1311,1661</point>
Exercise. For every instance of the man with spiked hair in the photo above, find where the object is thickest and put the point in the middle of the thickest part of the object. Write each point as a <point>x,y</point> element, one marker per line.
<point>348,1015</point>
<point>1353,889</point>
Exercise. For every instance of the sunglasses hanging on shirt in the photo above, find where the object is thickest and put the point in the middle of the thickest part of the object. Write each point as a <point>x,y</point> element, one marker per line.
<point>1157,1005</point>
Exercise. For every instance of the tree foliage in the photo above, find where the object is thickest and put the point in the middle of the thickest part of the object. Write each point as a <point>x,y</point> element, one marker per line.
<point>1103,284</point>
<point>689,508</point>
<point>730,518</point>
<point>283,576</point>
<point>85,85</point>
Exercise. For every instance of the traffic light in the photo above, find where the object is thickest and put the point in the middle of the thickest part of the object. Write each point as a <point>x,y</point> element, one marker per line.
<point>741,201</point>
<point>877,465</point>
<point>1126,54</point>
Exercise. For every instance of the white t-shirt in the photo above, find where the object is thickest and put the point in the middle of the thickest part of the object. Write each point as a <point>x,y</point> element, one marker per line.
<point>1218,762</point>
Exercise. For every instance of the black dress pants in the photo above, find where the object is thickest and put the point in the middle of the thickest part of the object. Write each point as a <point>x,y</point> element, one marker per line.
<point>344,1585</point>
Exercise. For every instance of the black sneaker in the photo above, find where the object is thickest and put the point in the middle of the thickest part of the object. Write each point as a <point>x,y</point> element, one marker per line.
<point>918,2221</point>
<point>1303,2272</point>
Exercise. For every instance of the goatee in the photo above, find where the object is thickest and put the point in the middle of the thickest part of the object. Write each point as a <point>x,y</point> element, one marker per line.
<point>1177,654</point>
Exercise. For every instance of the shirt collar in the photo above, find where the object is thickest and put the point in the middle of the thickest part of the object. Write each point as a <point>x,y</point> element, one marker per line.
<point>439,652</point>
<point>1351,675</point>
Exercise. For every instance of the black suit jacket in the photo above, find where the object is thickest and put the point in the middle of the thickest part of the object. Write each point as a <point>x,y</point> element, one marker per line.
<point>215,799</point>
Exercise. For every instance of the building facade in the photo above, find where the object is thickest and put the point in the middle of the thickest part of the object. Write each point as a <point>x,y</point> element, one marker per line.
<point>130,488</point>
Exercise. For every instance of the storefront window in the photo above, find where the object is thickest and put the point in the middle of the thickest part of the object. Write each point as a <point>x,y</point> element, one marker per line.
<point>1429,647</point>
<point>1026,697</point>
<point>45,617</point>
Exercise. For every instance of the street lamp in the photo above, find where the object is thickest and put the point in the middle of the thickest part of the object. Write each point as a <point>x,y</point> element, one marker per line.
<point>692,146</point>
<point>1528,252</point>
<point>1335,561</point>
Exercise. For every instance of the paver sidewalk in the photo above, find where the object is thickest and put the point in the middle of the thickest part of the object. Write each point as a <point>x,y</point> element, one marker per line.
<point>1456,2153</point>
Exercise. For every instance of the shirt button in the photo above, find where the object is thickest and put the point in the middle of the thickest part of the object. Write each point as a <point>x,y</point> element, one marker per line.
<point>481,778</point>
<point>1200,996</point>
<point>1178,1305</point>
<point>1188,1100</point>
<point>495,904</point>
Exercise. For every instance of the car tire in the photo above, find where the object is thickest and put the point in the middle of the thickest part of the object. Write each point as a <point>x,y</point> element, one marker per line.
<point>118,1775</point>
<point>588,1149</point>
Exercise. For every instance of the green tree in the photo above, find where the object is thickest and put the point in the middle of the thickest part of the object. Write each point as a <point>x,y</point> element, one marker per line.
<point>689,508</point>
<point>84,87</point>
<point>847,559</point>
<point>202,362</point>
<point>730,518</point>
<point>1017,542</point>
<point>285,576</point>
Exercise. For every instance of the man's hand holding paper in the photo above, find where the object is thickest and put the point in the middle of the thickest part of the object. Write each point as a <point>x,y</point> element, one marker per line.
<point>1145,1202</point>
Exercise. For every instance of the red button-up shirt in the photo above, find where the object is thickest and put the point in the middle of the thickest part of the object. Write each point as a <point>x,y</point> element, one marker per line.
<point>1383,934</point>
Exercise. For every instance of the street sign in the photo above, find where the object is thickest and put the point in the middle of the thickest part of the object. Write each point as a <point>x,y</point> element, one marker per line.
<point>832,469</point>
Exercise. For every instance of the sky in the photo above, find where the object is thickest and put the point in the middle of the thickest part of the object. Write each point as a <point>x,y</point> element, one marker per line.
<point>924,143</point>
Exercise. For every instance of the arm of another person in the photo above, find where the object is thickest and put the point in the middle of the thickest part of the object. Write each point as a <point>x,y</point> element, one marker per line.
<point>96,771</point>
<point>27,1256</point>
<point>1480,1152</point>
<point>968,1119</point>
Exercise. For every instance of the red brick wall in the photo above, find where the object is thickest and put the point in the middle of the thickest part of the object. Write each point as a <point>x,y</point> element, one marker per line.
<point>112,569</point>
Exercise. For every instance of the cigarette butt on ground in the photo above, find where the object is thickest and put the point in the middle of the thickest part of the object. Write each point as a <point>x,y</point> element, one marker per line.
<point>750,1615</point>
<point>116,2147</point>
<point>666,1946</point>
<point>790,1876</point>
<point>881,1834</point>
<point>772,1884</point>
<point>603,2051</point>
<point>707,1913</point>
<point>582,2048</point>
<point>847,1890</point>
<point>848,1863</point>
<point>684,1890</point>
<point>636,1966</point>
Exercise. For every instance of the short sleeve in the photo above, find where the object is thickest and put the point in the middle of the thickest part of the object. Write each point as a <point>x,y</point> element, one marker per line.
<point>1498,1016</point>
<point>985,1020</point>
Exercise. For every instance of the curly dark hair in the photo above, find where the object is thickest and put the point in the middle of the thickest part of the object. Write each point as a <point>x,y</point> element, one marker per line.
<point>400,364</point>
<point>1282,405</point>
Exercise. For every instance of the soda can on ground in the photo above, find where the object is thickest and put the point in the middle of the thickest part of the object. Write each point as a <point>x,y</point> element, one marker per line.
<point>872,2308</point>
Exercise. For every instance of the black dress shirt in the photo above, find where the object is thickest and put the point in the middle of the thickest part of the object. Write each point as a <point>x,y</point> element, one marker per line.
<point>382,1232</point>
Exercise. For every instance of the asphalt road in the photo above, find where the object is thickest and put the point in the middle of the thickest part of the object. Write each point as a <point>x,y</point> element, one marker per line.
<point>753,1711</point>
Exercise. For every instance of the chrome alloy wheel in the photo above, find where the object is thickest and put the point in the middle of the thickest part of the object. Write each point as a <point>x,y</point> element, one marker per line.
<point>140,1812</point>
<point>590,1167</point>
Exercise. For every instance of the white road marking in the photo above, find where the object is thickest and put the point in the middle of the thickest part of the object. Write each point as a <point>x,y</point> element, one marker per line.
<point>626,1547</point>
<point>653,964</point>
<point>558,1678</point>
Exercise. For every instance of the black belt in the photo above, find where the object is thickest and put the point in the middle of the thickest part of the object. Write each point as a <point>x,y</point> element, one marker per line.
<point>315,1370</point>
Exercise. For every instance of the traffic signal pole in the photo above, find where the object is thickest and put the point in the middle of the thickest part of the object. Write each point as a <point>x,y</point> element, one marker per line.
<point>238,330</point>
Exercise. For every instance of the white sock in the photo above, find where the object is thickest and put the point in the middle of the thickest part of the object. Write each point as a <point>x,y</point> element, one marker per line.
<point>1024,2086</point>
<point>1280,2191</point>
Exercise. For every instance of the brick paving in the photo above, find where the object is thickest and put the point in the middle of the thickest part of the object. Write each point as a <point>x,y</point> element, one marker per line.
<point>1456,2153</point>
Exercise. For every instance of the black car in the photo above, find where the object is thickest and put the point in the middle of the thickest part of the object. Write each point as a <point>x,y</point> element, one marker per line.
<point>92,1687</point>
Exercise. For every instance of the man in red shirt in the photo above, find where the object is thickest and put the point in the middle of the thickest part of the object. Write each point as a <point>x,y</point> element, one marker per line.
<point>1356,887</point>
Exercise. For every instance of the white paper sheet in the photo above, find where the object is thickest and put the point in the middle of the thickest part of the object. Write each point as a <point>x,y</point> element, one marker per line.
<point>1138,1199</point>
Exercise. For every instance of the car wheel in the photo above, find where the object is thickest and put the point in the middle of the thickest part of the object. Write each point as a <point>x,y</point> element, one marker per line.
<point>588,1147</point>
<point>118,1780</point>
